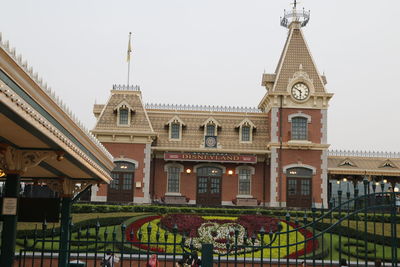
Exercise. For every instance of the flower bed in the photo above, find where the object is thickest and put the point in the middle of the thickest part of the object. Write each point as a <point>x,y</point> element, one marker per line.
<point>223,233</point>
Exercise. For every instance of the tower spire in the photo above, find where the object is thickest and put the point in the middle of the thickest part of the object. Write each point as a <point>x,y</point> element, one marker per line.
<point>295,17</point>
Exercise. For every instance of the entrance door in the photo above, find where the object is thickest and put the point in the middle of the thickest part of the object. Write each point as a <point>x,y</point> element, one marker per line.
<point>209,185</point>
<point>299,188</point>
<point>121,187</point>
<point>299,192</point>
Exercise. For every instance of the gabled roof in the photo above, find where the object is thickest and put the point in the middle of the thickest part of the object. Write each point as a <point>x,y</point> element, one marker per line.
<point>211,120</point>
<point>123,104</point>
<point>347,163</point>
<point>246,121</point>
<point>388,164</point>
<point>175,119</point>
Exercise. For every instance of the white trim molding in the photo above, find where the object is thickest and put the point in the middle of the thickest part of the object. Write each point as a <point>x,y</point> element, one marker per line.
<point>128,160</point>
<point>324,178</point>
<point>146,174</point>
<point>324,126</point>
<point>252,172</point>
<point>175,120</point>
<point>173,164</point>
<point>251,125</point>
<point>181,169</point>
<point>299,114</point>
<point>274,178</point>
<point>124,105</point>
<point>274,124</point>
<point>211,121</point>
<point>297,165</point>
<point>215,165</point>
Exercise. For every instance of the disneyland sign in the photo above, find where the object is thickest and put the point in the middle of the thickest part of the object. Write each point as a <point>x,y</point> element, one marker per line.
<point>210,157</point>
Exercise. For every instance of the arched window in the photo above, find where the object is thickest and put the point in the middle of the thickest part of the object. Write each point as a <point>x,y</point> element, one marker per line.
<point>299,128</point>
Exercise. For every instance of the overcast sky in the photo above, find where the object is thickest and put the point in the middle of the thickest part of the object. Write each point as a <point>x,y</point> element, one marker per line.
<point>213,52</point>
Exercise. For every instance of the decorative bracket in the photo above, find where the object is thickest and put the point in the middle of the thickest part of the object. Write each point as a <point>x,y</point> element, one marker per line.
<point>67,187</point>
<point>14,160</point>
<point>300,75</point>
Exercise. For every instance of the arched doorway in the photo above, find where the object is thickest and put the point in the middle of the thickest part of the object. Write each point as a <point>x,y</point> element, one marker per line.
<point>121,187</point>
<point>209,185</point>
<point>299,187</point>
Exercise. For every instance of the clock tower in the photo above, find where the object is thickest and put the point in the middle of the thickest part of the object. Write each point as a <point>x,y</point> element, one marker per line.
<point>296,103</point>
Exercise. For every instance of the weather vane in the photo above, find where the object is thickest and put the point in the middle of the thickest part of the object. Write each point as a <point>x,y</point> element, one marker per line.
<point>294,16</point>
<point>294,4</point>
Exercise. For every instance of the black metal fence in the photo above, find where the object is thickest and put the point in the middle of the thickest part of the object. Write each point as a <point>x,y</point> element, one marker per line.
<point>359,230</point>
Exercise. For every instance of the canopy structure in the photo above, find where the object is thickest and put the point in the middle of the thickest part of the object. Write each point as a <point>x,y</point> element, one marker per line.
<point>41,141</point>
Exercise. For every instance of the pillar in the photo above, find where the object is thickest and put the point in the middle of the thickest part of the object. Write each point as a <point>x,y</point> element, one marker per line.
<point>9,232</point>
<point>63,256</point>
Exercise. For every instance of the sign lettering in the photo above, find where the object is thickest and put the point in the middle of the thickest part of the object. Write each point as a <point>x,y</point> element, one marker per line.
<point>210,157</point>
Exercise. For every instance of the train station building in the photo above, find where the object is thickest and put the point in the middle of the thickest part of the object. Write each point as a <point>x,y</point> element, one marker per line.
<point>274,154</point>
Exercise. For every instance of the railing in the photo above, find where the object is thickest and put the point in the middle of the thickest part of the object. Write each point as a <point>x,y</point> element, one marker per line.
<point>203,108</point>
<point>364,154</point>
<point>360,230</point>
<point>124,87</point>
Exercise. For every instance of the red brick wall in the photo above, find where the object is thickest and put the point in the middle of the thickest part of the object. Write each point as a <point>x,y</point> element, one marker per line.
<point>314,128</point>
<point>307,157</point>
<point>129,151</point>
<point>188,182</point>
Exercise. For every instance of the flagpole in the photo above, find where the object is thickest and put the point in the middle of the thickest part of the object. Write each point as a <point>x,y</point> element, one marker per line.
<point>129,56</point>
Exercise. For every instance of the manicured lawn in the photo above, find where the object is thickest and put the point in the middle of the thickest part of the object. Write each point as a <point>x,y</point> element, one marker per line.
<point>350,247</point>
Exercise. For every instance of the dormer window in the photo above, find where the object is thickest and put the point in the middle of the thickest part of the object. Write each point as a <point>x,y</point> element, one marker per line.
<point>388,164</point>
<point>123,116</point>
<point>175,130</point>
<point>246,128</point>
<point>124,113</point>
<point>211,126</point>
<point>175,126</point>
<point>210,130</point>
<point>347,162</point>
<point>245,133</point>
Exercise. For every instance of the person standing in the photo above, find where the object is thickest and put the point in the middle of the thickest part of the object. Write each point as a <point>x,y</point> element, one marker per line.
<point>109,260</point>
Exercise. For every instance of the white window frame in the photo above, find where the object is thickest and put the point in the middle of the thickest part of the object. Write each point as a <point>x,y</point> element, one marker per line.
<point>252,172</point>
<point>299,115</point>
<point>124,105</point>
<point>248,123</point>
<point>175,120</point>
<point>211,121</point>
<point>166,169</point>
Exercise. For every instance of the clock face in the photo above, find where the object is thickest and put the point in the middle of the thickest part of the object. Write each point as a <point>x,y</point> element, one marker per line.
<point>211,141</point>
<point>300,91</point>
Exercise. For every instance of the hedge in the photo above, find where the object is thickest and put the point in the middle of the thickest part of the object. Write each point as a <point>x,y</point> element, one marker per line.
<point>356,234</point>
<point>99,208</point>
<point>91,223</point>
